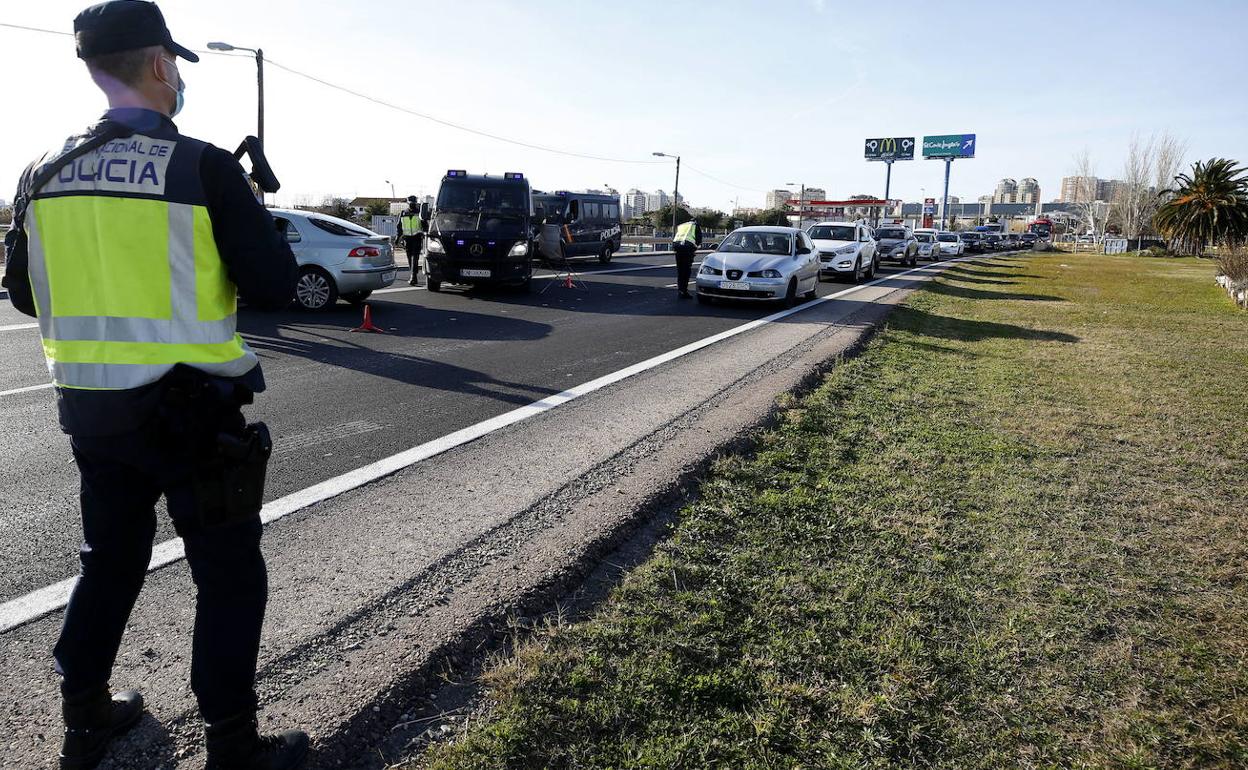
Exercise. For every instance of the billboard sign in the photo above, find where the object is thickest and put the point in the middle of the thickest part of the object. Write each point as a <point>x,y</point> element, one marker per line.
<point>949,146</point>
<point>890,148</point>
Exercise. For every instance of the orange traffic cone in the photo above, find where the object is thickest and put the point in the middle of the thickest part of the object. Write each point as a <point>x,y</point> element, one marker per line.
<point>368,326</point>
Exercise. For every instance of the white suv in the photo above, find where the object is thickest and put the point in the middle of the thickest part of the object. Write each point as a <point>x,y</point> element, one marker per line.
<point>845,248</point>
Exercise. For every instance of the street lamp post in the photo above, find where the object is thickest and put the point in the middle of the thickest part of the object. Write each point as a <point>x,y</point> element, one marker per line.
<point>259,82</point>
<point>675,192</point>
<point>392,195</point>
<point>801,203</point>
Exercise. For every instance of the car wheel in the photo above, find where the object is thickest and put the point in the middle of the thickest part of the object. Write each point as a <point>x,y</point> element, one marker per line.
<point>357,297</point>
<point>814,291</point>
<point>315,290</point>
<point>607,252</point>
<point>790,295</point>
<point>875,268</point>
<point>433,284</point>
<point>857,270</point>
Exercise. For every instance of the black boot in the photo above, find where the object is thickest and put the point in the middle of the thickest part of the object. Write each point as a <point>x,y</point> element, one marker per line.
<point>236,744</point>
<point>92,720</point>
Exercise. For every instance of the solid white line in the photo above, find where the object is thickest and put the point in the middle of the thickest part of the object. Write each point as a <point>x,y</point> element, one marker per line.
<point>18,327</point>
<point>26,389</point>
<point>36,604</point>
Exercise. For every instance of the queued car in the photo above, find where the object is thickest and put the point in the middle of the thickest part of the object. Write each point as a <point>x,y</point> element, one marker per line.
<point>897,242</point>
<point>1027,240</point>
<point>928,246</point>
<point>974,242</point>
<point>994,242</point>
<point>1012,240</point>
<point>951,244</point>
<point>337,259</point>
<point>760,264</point>
<point>845,248</point>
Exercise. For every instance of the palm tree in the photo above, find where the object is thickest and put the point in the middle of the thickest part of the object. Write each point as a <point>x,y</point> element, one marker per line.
<point>1206,207</point>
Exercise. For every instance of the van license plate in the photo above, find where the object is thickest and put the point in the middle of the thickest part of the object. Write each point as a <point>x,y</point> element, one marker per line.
<point>475,273</point>
<point>735,285</point>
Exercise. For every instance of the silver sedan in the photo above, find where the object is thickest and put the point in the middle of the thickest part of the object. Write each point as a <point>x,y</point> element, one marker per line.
<point>761,264</point>
<point>336,258</point>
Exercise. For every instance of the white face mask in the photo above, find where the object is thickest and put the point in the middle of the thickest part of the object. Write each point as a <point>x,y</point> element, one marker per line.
<point>179,89</point>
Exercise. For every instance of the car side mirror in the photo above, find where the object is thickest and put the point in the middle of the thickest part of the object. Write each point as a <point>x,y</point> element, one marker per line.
<point>803,250</point>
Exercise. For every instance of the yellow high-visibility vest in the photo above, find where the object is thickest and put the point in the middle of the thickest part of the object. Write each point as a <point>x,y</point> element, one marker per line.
<point>687,233</point>
<point>411,224</point>
<point>125,272</point>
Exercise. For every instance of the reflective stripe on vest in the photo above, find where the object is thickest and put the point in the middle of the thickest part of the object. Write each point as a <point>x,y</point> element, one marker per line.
<point>411,225</point>
<point>128,287</point>
<point>685,233</point>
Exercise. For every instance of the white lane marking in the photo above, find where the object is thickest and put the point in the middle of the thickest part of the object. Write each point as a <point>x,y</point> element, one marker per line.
<point>18,327</point>
<point>34,605</point>
<point>26,389</point>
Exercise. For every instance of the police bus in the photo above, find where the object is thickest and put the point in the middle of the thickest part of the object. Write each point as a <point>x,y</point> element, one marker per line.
<point>481,231</point>
<point>577,224</point>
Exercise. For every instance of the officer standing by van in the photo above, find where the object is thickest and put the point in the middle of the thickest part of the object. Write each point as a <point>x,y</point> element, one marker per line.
<point>131,243</point>
<point>412,231</point>
<point>685,244</point>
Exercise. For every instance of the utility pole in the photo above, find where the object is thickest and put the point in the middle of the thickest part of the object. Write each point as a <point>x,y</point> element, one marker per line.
<point>259,82</point>
<point>676,192</point>
<point>888,183</point>
<point>801,203</point>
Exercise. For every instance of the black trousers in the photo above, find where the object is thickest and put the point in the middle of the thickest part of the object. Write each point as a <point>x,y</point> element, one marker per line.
<point>412,245</point>
<point>122,478</point>
<point>684,264</point>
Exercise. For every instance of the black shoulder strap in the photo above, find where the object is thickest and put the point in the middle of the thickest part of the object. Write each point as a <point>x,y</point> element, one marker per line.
<point>106,132</point>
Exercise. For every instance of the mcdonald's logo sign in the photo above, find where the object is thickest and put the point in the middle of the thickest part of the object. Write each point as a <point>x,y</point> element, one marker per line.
<point>890,148</point>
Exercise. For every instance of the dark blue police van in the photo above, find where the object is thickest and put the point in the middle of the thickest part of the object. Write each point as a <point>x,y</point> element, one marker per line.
<point>577,224</point>
<point>481,231</point>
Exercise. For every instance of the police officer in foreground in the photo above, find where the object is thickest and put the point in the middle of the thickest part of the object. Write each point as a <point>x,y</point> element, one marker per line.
<point>131,245</point>
<point>412,231</point>
<point>685,244</point>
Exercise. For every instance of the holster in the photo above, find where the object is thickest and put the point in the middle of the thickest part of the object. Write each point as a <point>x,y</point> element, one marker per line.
<point>202,423</point>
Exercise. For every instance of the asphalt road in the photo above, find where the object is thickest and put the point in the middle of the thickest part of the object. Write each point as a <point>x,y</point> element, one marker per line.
<point>338,400</point>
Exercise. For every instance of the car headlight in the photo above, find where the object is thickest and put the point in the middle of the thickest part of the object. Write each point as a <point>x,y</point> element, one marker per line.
<point>521,249</point>
<point>846,250</point>
<point>771,274</point>
<point>435,246</point>
<point>706,270</point>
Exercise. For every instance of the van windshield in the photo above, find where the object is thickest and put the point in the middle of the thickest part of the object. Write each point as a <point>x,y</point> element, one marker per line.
<point>481,207</point>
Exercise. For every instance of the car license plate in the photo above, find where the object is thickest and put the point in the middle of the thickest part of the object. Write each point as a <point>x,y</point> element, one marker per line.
<point>735,285</point>
<point>475,273</point>
<point>388,276</point>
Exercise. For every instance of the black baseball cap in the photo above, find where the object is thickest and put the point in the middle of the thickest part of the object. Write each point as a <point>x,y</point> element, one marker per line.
<point>124,25</point>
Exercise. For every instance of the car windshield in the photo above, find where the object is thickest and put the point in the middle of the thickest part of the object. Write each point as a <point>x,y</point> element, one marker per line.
<point>970,236</point>
<point>924,237</point>
<point>832,233</point>
<point>947,238</point>
<point>485,208</point>
<point>335,227</point>
<point>758,242</point>
<point>884,233</point>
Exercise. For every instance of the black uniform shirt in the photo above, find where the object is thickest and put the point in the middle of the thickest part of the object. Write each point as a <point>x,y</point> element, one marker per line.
<point>257,259</point>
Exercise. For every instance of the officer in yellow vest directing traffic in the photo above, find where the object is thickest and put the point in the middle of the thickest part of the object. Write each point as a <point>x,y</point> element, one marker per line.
<point>412,231</point>
<point>131,245</point>
<point>685,244</point>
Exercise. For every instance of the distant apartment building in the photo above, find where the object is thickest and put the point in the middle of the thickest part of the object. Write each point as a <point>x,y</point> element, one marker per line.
<point>1006,192</point>
<point>635,202</point>
<point>1028,191</point>
<point>1081,189</point>
<point>657,200</point>
<point>814,194</point>
<point>778,198</point>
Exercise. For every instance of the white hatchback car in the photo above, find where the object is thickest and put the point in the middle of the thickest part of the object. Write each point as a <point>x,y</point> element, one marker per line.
<point>336,258</point>
<point>760,263</point>
<point>951,244</point>
<point>845,248</point>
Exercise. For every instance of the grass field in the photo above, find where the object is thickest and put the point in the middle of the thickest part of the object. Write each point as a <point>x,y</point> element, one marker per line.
<point>1010,534</point>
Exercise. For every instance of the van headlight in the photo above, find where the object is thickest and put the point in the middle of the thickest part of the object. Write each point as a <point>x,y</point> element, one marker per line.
<point>435,246</point>
<point>521,249</point>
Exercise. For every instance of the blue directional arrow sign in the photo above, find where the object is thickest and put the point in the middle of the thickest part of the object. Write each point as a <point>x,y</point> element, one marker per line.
<point>949,146</point>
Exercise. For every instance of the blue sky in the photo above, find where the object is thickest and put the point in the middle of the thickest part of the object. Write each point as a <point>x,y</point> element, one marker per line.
<point>755,94</point>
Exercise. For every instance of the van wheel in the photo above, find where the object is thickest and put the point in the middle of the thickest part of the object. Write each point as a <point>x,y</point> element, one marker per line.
<point>357,297</point>
<point>607,252</point>
<point>315,289</point>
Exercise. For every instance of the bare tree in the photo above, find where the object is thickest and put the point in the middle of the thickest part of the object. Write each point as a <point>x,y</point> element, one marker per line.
<point>1089,213</point>
<point>1168,154</point>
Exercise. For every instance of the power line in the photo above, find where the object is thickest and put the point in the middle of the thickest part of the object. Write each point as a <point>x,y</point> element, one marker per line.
<point>458,126</point>
<point>426,116</point>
